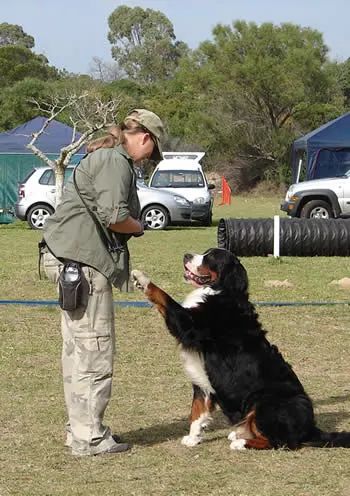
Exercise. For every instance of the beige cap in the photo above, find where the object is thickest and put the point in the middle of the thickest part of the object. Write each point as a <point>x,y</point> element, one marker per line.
<point>150,121</point>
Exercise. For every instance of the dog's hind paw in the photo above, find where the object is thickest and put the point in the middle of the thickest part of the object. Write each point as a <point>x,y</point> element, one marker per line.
<point>191,441</point>
<point>232,436</point>
<point>238,444</point>
<point>140,280</point>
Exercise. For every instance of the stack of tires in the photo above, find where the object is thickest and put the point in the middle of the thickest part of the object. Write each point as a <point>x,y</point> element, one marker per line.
<point>298,237</point>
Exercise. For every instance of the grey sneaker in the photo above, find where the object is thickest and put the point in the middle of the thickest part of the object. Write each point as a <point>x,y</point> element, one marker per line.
<point>118,448</point>
<point>68,443</point>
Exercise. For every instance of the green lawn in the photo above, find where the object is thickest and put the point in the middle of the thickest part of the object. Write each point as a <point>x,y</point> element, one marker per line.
<point>151,396</point>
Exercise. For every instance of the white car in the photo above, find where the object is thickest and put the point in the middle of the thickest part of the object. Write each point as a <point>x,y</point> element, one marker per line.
<point>181,172</point>
<point>319,198</point>
<point>36,201</point>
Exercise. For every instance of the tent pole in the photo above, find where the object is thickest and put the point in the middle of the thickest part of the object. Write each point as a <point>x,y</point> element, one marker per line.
<point>299,169</point>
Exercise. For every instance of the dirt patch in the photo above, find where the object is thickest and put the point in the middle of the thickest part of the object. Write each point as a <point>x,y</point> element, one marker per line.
<point>343,283</point>
<point>278,284</point>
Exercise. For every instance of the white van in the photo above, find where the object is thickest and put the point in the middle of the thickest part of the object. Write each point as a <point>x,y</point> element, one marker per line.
<point>182,172</point>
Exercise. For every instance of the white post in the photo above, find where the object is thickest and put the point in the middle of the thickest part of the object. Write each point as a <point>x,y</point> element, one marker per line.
<point>276,236</point>
<point>299,170</point>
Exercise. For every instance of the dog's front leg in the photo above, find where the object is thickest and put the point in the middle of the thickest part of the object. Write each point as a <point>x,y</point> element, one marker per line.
<point>202,407</point>
<point>177,318</point>
<point>155,295</point>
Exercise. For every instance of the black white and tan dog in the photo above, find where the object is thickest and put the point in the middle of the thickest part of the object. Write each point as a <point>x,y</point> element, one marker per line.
<point>231,363</point>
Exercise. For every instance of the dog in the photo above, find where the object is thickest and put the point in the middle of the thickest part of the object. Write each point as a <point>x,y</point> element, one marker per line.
<point>230,362</point>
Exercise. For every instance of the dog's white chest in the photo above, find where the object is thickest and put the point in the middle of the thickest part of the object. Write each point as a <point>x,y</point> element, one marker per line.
<point>193,361</point>
<point>194,367</point>
<point>197,296</point>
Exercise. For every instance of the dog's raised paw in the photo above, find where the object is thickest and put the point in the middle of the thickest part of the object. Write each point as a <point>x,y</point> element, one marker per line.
<point>191,441</point>
<point>140,280</point>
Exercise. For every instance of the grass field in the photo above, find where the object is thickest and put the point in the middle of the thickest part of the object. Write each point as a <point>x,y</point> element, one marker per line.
<point>151,395</point>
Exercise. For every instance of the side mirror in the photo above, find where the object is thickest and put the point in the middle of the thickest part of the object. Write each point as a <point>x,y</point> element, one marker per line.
<point>211,186</point>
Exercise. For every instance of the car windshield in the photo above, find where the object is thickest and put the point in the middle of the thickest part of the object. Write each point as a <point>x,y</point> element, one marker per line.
<point>178,179</point>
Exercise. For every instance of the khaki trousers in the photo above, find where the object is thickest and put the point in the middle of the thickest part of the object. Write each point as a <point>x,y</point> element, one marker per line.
<point>88,335</point>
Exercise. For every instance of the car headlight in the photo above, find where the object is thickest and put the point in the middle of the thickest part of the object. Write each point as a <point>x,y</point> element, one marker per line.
<point>200,200</point>
<point>181,201</point>
<point>289,193</point>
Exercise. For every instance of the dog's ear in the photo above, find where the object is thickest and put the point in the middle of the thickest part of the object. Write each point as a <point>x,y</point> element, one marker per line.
<point>234,277</point>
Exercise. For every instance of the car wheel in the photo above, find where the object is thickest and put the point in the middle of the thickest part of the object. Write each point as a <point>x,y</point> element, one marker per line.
<point>317,209</point>
<point>155,217</point>
<point>38,214</point>
<point>207,222</point>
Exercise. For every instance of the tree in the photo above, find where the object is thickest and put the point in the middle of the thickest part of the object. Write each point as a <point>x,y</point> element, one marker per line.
<point>17,63</point>
<point>250,88</point>
<point>12,34</point>
<point>105,71</point>
<point>144,43</point>
<point>342,73</point>
<point>15,107</point>
<point>88,114</point>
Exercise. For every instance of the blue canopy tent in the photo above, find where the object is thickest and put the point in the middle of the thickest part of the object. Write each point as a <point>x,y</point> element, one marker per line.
<point>16,160</point>
<point>325,151</point>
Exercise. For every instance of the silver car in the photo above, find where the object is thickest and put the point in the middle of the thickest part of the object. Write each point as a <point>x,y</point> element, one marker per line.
<point>36,201</point>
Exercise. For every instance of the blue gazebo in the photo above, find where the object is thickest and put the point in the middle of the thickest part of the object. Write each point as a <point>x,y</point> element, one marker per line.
<point>326,150</point>
<point>16,160</point>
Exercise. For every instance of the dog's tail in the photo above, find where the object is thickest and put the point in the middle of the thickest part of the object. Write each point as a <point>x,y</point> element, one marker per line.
<point>321,439</point>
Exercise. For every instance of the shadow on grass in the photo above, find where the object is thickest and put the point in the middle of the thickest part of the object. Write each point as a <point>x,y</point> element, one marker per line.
<point>161,433</point>
<point>158,433</point>
<point>332,400</point>
<point>329,421</point>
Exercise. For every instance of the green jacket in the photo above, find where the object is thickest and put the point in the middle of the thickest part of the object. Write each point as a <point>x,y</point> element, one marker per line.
<point>107,183</point>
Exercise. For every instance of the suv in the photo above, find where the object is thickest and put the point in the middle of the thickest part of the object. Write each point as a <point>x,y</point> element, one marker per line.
<point>36,201</point>
<point>182,173</point>
<point>319,198</point>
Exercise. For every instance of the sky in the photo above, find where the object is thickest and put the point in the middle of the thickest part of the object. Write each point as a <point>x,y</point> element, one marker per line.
<point>71,32</point>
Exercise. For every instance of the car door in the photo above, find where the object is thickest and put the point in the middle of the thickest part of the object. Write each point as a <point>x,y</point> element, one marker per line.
<point>346,195</point>
<point>48,179</point>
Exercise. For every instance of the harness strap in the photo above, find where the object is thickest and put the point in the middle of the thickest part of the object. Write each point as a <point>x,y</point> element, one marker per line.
<point>41,245</point>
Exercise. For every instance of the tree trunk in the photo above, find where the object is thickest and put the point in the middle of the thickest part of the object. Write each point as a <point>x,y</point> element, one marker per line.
<point>59,175</point>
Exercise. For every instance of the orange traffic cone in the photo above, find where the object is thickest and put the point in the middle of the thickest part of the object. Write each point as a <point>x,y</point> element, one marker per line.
<point>226,192</point>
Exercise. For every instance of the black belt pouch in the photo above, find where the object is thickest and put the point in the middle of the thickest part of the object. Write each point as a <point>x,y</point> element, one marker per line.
<point>70,286</point>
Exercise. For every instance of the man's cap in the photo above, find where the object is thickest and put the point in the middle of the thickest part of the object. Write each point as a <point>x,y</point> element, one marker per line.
<point>150,121</point>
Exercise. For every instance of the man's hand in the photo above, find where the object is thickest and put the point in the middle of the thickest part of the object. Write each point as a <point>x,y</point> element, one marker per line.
<point>141,232</point>
<point>127,226</point>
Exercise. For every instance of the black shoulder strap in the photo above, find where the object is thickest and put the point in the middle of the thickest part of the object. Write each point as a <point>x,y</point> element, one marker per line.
<point>110,243</point>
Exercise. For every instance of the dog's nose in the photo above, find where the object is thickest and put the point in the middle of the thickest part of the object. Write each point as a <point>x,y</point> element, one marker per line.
<point>187,257</point>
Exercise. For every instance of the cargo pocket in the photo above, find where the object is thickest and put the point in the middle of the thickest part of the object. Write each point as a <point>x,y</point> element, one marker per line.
<point>100,310</point>
<point>95,355</point>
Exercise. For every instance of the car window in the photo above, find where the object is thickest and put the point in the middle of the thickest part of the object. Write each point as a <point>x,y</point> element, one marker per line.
<point>331,163</point>
<point>28,176</point>
<point>178,179</point>
<point>48,177</point>
<point>67,173</point>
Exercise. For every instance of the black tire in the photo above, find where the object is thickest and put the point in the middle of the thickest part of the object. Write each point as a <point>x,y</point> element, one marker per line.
<point>38,214</point>
<point>155,217</point>
<point>317,209</point>
<point>207,222</point>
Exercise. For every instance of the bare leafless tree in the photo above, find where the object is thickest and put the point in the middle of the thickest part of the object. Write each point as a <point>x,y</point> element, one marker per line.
<point>105,71</point>
<point>87,114</point>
